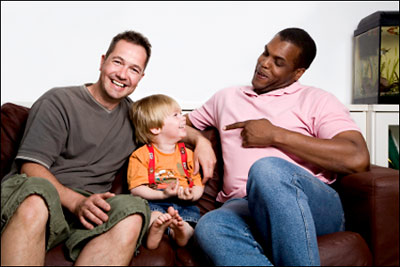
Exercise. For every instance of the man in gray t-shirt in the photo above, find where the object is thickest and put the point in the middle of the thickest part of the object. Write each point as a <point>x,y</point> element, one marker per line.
<point>86,144</point>
<point>76,139</point>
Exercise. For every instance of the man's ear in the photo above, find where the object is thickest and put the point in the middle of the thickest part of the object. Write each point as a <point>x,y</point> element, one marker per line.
<point>103,58</point>
<point>155,131</point>
<point>298,73</point>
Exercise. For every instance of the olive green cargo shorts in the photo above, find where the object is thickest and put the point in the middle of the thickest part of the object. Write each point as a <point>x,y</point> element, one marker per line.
<point>67,227</point>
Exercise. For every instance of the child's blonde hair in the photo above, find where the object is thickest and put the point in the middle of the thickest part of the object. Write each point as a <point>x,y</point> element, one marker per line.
<point>150,112</point>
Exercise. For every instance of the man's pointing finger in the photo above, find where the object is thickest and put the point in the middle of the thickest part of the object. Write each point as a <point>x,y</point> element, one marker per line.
<point>235,125</point>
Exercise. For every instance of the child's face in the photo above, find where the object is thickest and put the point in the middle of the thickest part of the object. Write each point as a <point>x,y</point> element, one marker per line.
<point>174,126</point>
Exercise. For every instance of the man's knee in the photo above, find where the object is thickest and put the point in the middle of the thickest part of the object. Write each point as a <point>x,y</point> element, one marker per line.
<point>266,170</point>
<point>205,227</point>
<point>33,212</point>
<point>129,228</point>
<point>215,222</point>
<point>266,165</point>
<point>209,224</point>
<point>132,222</point>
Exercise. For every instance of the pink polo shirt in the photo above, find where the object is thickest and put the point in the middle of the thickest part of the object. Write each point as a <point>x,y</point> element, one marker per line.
<point>307,110</point>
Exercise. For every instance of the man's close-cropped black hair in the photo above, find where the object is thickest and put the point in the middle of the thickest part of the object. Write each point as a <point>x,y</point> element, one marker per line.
<point>303,40</point>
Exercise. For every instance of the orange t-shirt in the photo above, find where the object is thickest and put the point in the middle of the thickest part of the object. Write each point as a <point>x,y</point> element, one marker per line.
<point>168,167</point>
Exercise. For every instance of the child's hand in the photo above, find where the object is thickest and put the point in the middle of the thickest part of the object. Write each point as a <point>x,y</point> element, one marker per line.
<point>172,189</point>
<point>185,193</point>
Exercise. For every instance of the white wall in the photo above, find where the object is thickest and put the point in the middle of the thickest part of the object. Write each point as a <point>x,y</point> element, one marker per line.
<point>198,47</point>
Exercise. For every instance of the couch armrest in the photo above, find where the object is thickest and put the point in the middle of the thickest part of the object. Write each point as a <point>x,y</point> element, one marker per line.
<point>13,121</point>
<point>371,204</point>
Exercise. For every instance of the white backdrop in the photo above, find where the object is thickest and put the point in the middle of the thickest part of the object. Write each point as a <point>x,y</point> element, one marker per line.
<point>198,47</point>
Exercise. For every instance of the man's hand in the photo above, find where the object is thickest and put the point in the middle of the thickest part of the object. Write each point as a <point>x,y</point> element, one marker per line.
<point>92,210</point>
<point>255,133</point>
<point>204,156</point>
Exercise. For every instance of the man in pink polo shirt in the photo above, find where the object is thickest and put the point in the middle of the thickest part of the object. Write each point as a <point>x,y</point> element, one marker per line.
<point>282,144</point>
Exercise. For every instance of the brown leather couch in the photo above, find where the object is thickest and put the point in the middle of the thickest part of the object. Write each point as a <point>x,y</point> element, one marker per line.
<point>370,200</point>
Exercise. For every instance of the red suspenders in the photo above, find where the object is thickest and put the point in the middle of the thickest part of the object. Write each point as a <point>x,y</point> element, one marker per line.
<point>183,158</point>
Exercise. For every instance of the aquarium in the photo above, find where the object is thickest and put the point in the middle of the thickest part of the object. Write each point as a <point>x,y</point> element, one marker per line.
<point>376,59</point>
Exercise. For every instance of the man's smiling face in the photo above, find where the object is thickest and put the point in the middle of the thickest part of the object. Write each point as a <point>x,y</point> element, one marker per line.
<point>276,66</point>
<point>122,70</point>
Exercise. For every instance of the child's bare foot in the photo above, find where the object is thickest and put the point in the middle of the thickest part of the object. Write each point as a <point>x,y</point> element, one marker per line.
<point>180,230</point>
<point>157,229</point>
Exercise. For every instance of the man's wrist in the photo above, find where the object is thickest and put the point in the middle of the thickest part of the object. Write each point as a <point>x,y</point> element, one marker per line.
<point>193,136</point>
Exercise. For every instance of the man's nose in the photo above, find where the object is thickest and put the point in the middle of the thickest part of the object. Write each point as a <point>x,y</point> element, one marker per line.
<point>266,62</point>
<point>122,73</point>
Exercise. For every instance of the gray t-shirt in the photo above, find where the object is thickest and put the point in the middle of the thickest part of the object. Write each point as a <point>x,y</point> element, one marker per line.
<point>77,139</point>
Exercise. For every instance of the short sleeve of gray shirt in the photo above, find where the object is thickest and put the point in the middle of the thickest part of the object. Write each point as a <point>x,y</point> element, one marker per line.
<point>78,140</point>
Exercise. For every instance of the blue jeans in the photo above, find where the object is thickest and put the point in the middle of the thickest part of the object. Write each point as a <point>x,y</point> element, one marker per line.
<point>286,208</point>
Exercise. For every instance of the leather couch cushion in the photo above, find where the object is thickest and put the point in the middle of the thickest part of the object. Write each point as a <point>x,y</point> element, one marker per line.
<point>343,249</point>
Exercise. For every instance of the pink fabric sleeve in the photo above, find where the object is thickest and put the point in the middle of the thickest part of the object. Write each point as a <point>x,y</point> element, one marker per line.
<point>332,118</point>
<point>204,116</point>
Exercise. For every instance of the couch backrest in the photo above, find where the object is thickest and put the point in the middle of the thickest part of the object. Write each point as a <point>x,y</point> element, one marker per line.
<point>13,121</point>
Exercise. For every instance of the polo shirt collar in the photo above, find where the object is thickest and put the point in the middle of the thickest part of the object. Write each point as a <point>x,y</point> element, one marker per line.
<point>291,89</point>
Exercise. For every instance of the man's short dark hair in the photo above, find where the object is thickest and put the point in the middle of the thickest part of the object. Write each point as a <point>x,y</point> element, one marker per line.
<point>134,38</point>
<point>303,40</point>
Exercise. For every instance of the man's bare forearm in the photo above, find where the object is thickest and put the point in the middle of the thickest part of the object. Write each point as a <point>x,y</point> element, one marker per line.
<point>192,136</point>
<point>203,154</point>
<point>345,153</point>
